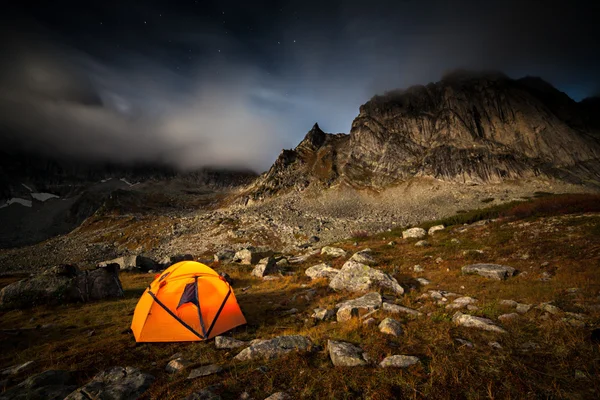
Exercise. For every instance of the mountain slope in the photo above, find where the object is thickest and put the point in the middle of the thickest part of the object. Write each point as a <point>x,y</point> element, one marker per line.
<point>467,128</point>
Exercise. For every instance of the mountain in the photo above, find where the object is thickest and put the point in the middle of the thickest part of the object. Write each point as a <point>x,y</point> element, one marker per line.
<point>472,128</point>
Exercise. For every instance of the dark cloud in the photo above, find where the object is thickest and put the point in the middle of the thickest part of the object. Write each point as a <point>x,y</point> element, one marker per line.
<point>229,84</point>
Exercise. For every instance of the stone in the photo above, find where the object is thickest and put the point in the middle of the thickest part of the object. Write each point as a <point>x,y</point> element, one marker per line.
<point>423,281</point>
<point>205,371</point>
<point>63,284</point>
<point>323,314</point>
<point>465,343</point>
<point>472,307</point>
<point>418,268</point>
<point>495,345</point>
<point>422,243</point>
<point>48,385</point>
<point>275,348</point>
<point>246,256</point>
<point>203,394</point>
<point>508,303</point>
<point>333,251</point>
<point>440,260</point>
<point>265,266</point>
<point>549,308</point>
<point>358,307</point>
<point>177,364</point>
<point>471,321</point>
<point>492,271</point>
<point>115,383</point>
<point>461,302</point>
<point>345,354</point>
<point>224,256</point>
<point>320,271</point>
<point>369,321</point>
<point>282,262</point>
<point>455,241</point>
<point>356,277</point>
<point>271,278</point>
<point>414,233</point>
<point>390,326</point>
<point>508,317</point>
<point>523,308</point>
<point>279,396</point>
<point>399,361</point>
<point>435,229</point>
<point>226,342</point>
<point>363,257</point>
<point>392,243</point>
<point>16,369</point>
<point>397,309</point>
<point>123,262</point>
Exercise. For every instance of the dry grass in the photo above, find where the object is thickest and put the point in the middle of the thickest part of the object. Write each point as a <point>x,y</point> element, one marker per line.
<point>570,245</point>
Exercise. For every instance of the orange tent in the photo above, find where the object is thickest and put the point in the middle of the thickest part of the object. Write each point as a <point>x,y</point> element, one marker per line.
<point>186,302</point>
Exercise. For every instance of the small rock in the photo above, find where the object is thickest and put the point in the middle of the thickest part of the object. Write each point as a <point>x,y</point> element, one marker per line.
<point>422,243</point>
<point>435,229</point>
<point>508,317</point>
<point>275,348</point>
<point>549,308</point>
<point>205,371</point>
<point>418,268</point>
<point>461,302</point>
<point>392,243</point>
<point>523,308</point>
<point>323,314</point>
<point>396,309</point>
<point>472,252</point>
<point>493,271</point>
<point>399,361</point>
<point>414,233</point>
<point>177,365</point>
<point>439,260</point>
<point>455,241</point>
<point>363,257</point>
<point>333,251</point>
<point>279,396</point>
<point>495,345</point>
<point>358,307</point>
<point>472,307</point>
<point>423,281</point>
<point>226,342</point>
<point>509,303</point>
<point>471,321</point>
<point>369,321</point>
<point>321,271</point>
<point>265,266</point>
<point>345,354</point>
<point>465,342</point>
<point>16,369</point>
<point>390,326</point>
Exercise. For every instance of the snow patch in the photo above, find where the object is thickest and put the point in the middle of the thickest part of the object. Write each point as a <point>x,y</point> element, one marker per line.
<point>43,196</point>
<point>16,200</point>
<point>27,187</point>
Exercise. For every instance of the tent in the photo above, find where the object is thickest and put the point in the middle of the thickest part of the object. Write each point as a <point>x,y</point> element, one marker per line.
<point>186,302</point>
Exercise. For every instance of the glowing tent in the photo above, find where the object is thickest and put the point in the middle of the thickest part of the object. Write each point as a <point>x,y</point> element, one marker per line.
<point>186,302</point>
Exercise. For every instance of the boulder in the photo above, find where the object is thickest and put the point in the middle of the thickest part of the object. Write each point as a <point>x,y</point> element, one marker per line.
<point>476,322</point>
<point>321,271</point>
<point>265,266</point>
<point>205,370</point>
<point>357,277</point>
<point>396,309</point>
<point>245,256</point>
<point>322,314</point>
<point>224,256</point>
<point>275,348</point>
<point>398,361</point>
<point>414,233</point>
<point>226,342</point>
<point>422,243</point>
<point>115,383</point>
<point>492,271</point>
<point>48,385</point>
<point>435,228</point>
<point>358,307</point>
<point>63,284</point>
<point>390,326</point>
<point>363,257</point>
<point>345,354</point>
<point>333,251</point>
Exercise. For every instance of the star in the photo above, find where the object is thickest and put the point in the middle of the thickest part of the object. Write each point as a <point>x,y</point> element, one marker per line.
<point>145,22</point>
<point>294,41</point>
<point>219,50</point>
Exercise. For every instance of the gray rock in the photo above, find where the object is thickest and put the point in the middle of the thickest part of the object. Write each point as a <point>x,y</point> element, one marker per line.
<point>495,345</point>
<point>123,262</point>
<point>63,284</point>
<point>177,364</point>
<point>48,385</point>
<point>508,303</point>
<point>465,342</point>
<point>422,243</point>
<point>265,266</point>
<point>358,307</point>
<point>461,302</point>
<point>423,281</point>
<point>226,342</point>
<point>117,383</point>
<point>321,271</point>
<point>398,361</point>
<point>397,309</point>
<point>246,256</point>
<point>279,396</point>
<point>390,326</point>
<point>523,308</point>
<point>224,256</point>
<point>414,233</point>
<point>508,317</point>
<point>363,257</point>
<point>275,348</point>
<point>333,251</point>
<point>205,370</point>
<point>356,277</point>
<point>435,229</point>
<point>549,308</point>
<point>418,268</point>
<point>16,369</point>
<point>345,354</point>
<point>492,271</point>
<point>323,314</point>
<point>471,321</point>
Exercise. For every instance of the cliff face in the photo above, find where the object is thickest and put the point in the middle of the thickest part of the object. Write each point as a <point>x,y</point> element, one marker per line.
<point>468,128</point>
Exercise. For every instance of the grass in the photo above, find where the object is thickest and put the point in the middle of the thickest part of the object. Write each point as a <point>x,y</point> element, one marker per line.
<point>524,238</point>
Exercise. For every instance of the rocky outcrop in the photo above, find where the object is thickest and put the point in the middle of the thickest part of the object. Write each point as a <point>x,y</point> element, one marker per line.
<point>471,128</point>
<point>62,284</point>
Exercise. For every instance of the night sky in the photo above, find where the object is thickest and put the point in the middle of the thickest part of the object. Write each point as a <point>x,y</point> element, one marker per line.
<point>198,83</point>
